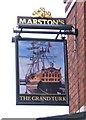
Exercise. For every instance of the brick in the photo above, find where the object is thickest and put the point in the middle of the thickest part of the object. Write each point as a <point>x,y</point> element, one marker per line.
<point>77,64</point>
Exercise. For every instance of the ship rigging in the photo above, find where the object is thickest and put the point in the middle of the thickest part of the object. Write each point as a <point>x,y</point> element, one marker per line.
<point>41,74</point>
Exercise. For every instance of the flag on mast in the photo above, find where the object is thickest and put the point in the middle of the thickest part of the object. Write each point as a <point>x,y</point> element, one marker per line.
<point>49,45</point>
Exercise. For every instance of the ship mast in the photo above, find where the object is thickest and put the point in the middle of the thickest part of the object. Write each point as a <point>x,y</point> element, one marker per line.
<point>39,51</point>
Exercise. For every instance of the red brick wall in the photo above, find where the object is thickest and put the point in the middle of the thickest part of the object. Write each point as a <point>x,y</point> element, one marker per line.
<point>77,59</point>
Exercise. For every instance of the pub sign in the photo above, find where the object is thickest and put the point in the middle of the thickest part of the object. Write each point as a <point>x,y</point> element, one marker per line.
<point>41,67</point>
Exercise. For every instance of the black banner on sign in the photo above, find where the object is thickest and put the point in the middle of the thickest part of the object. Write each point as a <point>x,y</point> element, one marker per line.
<point>41,72</point>
<point>34,20</point>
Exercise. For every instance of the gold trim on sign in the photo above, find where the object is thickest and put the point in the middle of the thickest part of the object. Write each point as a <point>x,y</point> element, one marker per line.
<point>42,13</point>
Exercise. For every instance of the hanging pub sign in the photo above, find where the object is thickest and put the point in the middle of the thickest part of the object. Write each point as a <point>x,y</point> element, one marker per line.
<point>41,68</point>
<point>41,72</point>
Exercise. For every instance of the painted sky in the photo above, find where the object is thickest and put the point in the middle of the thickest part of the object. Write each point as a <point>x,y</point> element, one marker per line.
<point>54,55</point>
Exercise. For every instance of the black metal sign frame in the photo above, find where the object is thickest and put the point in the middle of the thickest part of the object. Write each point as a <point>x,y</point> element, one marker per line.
<point>36,96</point>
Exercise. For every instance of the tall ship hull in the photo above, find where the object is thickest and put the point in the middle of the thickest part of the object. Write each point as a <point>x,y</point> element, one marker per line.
<point>46,82</point>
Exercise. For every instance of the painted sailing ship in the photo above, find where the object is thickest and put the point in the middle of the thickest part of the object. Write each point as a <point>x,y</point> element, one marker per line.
<point>41,77</point>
